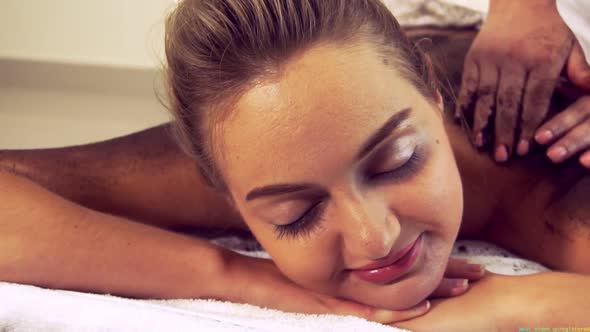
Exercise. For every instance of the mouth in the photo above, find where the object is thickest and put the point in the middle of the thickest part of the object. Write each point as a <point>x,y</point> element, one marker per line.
<point>391,267</point>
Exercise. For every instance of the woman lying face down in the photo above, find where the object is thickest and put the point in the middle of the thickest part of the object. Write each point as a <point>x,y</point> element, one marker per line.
<point>321,129</point>
<point>321,123</point>
<point>323,126</point>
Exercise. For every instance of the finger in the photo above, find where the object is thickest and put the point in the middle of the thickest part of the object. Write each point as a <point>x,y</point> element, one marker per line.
<point>564,121</point>
<point>449,287</point>
<point>464,269</point>
<point>537,97</point>
<point>577,69</point>
<point>381,315</point>
<point>576,140</point>
<point>467,94</point>
<point>508,102</point>
<point>585,159</point>
<point>486,100</point>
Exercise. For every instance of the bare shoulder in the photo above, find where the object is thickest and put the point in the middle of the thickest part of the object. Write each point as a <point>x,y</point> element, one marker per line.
<point>143,176</point>
<point>549,220</point>
<point>538,210</point>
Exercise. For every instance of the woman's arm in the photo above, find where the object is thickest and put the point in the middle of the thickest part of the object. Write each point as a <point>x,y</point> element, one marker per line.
<point>506,303</point>
<point>48,241</point>
<point>143,176</point>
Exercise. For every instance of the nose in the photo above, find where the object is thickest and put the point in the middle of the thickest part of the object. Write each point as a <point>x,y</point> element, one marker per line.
<point>369,228</point>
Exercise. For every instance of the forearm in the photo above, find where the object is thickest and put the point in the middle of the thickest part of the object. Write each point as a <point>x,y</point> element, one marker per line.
<point>505,303</point>
<point>143,176</point>
<point>48,241</point>
<point>552,299</point>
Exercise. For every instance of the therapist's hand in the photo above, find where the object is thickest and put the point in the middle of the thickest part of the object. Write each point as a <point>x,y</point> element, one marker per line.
<point>510,73</point>
<point>568,133</point>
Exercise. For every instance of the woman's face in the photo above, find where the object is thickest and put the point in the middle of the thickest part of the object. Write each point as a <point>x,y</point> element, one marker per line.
<point>338,166</point>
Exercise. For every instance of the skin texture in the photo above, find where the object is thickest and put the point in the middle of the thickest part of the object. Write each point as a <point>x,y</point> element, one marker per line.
<point>310,132</point>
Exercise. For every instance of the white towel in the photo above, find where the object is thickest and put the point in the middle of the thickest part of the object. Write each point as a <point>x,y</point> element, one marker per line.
<point>26,308</point>
<point>436,13</point>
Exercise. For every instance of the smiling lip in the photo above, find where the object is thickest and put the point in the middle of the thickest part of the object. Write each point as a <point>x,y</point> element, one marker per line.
<point>392,266</point>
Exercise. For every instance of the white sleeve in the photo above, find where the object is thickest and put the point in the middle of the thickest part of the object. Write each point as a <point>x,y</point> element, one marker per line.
<point>576,14</point>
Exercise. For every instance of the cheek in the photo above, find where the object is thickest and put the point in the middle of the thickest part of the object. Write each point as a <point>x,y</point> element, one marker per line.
<point>308,260</point>
<point>448,187</point>
<point>433,197</point>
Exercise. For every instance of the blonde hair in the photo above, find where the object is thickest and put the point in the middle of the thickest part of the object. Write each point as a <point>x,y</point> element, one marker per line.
<point>216,48</point>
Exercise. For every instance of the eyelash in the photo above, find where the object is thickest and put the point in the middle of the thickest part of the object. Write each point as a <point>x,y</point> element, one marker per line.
<point>307,223</point>
<point>304,225</point>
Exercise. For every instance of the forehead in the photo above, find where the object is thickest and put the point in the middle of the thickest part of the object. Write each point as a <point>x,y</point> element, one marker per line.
<point>313,119</point>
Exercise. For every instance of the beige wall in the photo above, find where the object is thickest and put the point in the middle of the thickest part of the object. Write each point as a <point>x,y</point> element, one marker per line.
<point>77,71</point>
<point>115,32</point>
<point>36,118</point>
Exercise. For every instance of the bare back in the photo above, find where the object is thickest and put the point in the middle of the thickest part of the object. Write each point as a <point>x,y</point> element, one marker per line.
<point>529,205</point>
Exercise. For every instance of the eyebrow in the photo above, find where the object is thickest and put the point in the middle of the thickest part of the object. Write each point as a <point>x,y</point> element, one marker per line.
<point>279,189</point>
<point>392,124</point>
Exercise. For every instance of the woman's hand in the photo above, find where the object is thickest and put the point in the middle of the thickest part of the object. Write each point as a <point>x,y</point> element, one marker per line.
<point>568,133</point>
<point>457,276</point>
<point>515,60</point>
<point>259,282</point>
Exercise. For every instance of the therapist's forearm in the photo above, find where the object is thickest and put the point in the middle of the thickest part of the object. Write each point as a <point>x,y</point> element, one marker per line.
<point>48,241</point>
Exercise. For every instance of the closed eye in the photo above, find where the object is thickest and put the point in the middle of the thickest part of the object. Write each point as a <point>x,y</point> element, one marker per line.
<point>304,225</point>
<point>409,168</point>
